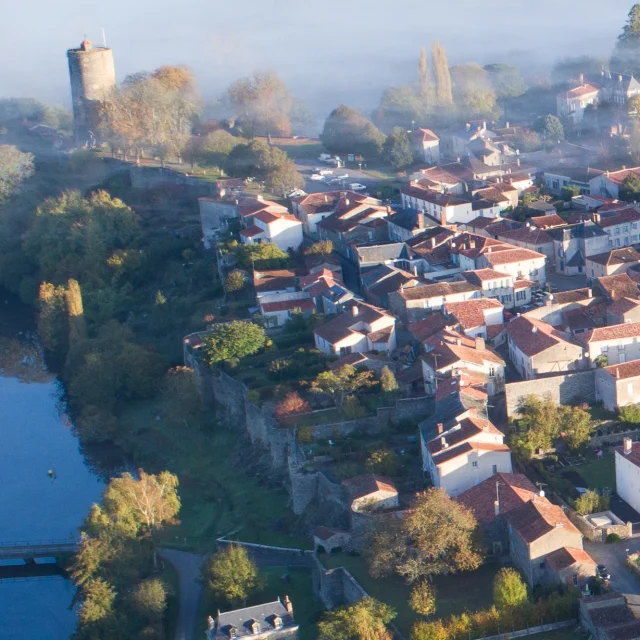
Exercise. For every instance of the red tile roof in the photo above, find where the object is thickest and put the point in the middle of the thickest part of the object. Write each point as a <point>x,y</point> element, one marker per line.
<point>306,304</point>
<point>446,351</point>
<point>575,295</point>
<point>467,426</point>
<point>251,231</point>
<point>530,235</point>
<point>544,222</point>
<point>523,283</point>
<point>633,456</point>
<point>451,454</point>
<point>470,313</point>
<point>538,517</point>
<point>437,289</point>
<point>364,485</point>
<point>484,275</point>
<point>624,255</point>
<point>629,214</point>
<point>614,332</point>
<point>625,370</point>
<point>564,557</point>
<point>496,258</point>
<point>619,286</point>
<point>577,92</point>
<point>514,489</point>
<point>622,306</point>
<point>534,336</point>
<point>423,329</point>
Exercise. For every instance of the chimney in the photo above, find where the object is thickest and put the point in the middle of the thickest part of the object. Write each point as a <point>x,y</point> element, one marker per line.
<point>595,217</point>
<point>443,443</point>
<point>421,222</point>
<point>496,507</point>
<point>288,606</point>
<point>326,199</point>
<point>627,444</point>
<point>534,329</point>
<point>517,162</point>
<point>619,78</point>
<point>617,373</point>
<point>472,244</point>
<point>589,293</point>
<point>459,341</point>
<point>506,124</point>
<point>467,127</point>
<point>479,343</point>
<point>354,310</point>
<point>484,124</point>
<point>260,198</point>
<point>541,494</point>
<point>433,242</point>
<point>440,428</point>
<point>346,202</point>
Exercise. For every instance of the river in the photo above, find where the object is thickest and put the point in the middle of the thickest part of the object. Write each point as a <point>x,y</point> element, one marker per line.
<point>35,437</point>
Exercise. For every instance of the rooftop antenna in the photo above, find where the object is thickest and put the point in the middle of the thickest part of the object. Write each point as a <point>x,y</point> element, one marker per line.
<point>104,39</point>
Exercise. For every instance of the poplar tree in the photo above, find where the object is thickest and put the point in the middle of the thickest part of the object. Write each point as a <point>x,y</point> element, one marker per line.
<point>75,312</point>
<point>444,95</point>
<point>424,78</point>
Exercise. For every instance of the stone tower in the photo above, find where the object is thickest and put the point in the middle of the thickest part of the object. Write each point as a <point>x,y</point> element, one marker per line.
<point>93,78</point>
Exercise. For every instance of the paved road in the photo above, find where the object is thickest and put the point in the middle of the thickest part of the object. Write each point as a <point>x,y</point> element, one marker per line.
<point>188,566</point>
<point>305,167</point>
<point>614,556</point>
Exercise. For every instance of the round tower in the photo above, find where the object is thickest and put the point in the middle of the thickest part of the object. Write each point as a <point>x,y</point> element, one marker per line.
<point>93,78</point>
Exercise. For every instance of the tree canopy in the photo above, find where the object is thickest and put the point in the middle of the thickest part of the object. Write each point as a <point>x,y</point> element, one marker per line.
<point>509,590</point>
<point>366,619</point>
<point>627,52</point>
<point>505,80</point>
<point>342,383</point>
<point>397,149</point>
<point>630,188</point>
<point>347,131</point>
<point>437,536</point>
<point>231,574</point>
<point>233,340</point>
<point>15,168</point>
<point>549,127</point>
<point>473,92</point>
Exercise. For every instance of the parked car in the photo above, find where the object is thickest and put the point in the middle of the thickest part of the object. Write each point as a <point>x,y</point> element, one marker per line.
<point>326,172</point>
<point>356,186</point>
<point>317,176</point>
<point>324,157</point>
<point>603,573</point>
<point>344,176</point>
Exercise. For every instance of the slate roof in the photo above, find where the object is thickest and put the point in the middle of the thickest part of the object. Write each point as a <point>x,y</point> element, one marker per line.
<point>514,489</point>
<point>382,252</point>
<point>536,518</point>
<point>241,619</point>
<point>575,174</point>
<point>583,230</point>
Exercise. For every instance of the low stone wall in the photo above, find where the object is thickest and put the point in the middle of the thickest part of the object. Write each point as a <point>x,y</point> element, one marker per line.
<point>406,409</point>
<point>615,438</point>
<point>273,556</point>
<point>599,534</point>
<point>335,587</point>
<point>307,486</point>
<point>153,177</point>
<point>568,388</point>
<point>587,530</point>
<point>532,630</point>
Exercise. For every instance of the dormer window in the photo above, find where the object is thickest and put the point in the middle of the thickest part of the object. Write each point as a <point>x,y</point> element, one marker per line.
<point>277,622</point>
<point>255,627</point>
<point>233,633</point>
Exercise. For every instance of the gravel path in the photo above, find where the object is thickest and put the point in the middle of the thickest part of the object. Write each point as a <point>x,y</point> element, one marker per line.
<point>188,567</point>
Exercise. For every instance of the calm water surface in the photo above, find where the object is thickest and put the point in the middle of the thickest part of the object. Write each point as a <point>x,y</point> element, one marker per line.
<point>35,436</point>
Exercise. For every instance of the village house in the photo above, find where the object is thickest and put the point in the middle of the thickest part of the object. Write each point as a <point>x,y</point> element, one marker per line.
<point>499,286</point>
<point>369,256</point>
<point>617,287</point>
<point>618,385</point>
<point>449,352</point>
<point>573,244</point>
<point>618,343</point>
<point>549,221</point>
<point>570,566</point>
<point>490,228</point>
<point>416,302</point>
<point>617,88</point>
<point>536,529</point>
<point>445,208</point>
<point>491,500</point>
<point>382,281</point>
<point>407,223</point>
<point>608,617</point>
<point>464,451</point>
<point>426,145</point>
<point>516,262</point>
<point>627,462</point>
<point>555,178</point>
<point>572,104</point>
<point>502,197</point>
<point>327,539</point>
<point>608,183</point>
<point>530,237</point>
<point>272,621</point>
<point>623,310</point>
<point>283,230</point>
<point>621,225</point>
<point>535,348</point>
<point>461,138</point>
<point>275,282</point>
<point>359,329</point>
<point>475,318</point>
<point>448,178</point>
<point>612,262</point>
<point>277,310</point>
<point>370,492</point>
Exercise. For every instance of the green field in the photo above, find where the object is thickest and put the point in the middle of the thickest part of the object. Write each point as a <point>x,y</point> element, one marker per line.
<point>307,609</point>
<point>599,473</point>
<point>456,593</point>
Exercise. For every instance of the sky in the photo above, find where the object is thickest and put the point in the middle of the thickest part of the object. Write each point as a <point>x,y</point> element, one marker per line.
<point>328,51</point>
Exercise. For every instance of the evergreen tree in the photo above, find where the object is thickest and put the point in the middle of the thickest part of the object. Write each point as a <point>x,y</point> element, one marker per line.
<point>397,149</point>
<point>627,53</point>
<point>424,76</point>
<point>444,95</point>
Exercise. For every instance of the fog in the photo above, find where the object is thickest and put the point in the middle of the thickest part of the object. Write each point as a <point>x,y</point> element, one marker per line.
<point>328,51</point>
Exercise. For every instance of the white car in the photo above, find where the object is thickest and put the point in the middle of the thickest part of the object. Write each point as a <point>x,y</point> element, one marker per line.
<point>356,186</point>
<point>344,176</point>
<point>317,176</point>
<point>326,172</point>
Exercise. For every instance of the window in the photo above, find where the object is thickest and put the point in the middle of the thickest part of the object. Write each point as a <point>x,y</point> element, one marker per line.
<point>603,350</point>
<point>534,272</point>
<point>521,295</point>
<point>474,464</point>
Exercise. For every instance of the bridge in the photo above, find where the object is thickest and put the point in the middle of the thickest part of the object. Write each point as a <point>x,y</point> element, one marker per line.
<point>29,551</point>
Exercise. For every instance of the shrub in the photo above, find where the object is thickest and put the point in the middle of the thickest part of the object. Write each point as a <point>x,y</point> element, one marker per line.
<point>630,414</point>
<point>612,538</point>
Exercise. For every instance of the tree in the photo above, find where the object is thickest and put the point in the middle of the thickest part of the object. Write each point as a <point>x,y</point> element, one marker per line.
<point>506,80</point>
<point>365,619</point>
<point>388,380</point>
<point>424,75</point>
<point>235,281</point>
<point>430,631</point>
<point>630,413</point>
<point>290,405</point>
<point>149,599</point>
<point>601,361</point>
<point>627,51</point>
<point>588,502</point>
<point>549,127</point>
<point>539,421</point>
<point>147,502</point>
<point>321,247</point>
<point>384,461</point>
<point>213,149</point>
<point>473,92</point>
<point>15,168</point>
<point>231,574</point>
<point>528,141</point>
<point>262,105</point>
<point>347,131</point>
<point>97,617</point>
<point>569,69</point>
<point>570,191</point>
<point>75,312</point>
<point>232,340</point>
<point>52,318</point>
<point>444,95</point>
<point>509,590</point>
<point>630,188</point>
<point>397,149</point>
<point>352,408</point>
<point>284,178</point>
<point>437,536</point>
<point>575,425</point>
<point>265,255</point>
<point>181,400</point>
<point>423,598</point>
<point>342,383</point>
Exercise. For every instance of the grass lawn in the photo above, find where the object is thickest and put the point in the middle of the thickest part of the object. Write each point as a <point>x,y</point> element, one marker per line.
<point>307,609</point>
<point>598,473</point>
<point>469,591</point>
<point>306,151</point>
<point>217,497</point>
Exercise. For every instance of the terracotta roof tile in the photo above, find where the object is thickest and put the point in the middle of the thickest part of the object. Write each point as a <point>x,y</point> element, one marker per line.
<point>538,517</point>
<point>508,257</point>
<point>564,557</point>
<point>624,255</point>
<point>544,222</point>
<point>618,286</point>
<point>364,485</point>
<point>306,304</point>
<point>625,370</point>
<point>429,326</point>
<point>621,216</point>
<point>483,275</point>
<point>534,336</point>
<point>614,332</point>
<point>470,313</point>
<point>423,292</point>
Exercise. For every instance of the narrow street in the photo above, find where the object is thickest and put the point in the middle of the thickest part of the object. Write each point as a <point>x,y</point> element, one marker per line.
<point>188,566</point>
<point>614,557</point>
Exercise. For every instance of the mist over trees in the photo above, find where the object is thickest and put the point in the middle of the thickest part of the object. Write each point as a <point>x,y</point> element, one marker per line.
<point>626,56</point>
